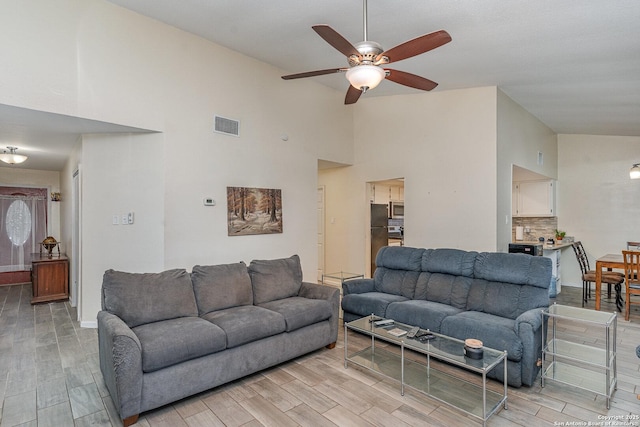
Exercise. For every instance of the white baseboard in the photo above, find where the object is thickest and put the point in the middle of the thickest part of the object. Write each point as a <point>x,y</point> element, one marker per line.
<point>93,324</point>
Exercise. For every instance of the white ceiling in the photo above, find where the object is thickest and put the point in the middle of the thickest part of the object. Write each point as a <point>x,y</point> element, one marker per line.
<point>47,139</point>
<point>574,64</point>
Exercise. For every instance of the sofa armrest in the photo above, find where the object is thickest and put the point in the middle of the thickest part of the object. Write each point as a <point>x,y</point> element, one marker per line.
<point>120,363</point>
<point>316,291</point>
<point>531,319</point>
<point>331,294</point>
<point>357,286</point>
<point>529,326</point>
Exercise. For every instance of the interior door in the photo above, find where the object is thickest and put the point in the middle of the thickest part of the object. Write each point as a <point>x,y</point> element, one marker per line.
<point>321,237</point>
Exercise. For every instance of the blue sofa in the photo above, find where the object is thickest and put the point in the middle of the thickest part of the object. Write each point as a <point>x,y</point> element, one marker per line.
<point>494,297</point>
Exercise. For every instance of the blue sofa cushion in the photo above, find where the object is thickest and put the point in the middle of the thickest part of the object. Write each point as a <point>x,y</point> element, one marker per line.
<point>494,331</point>
<point>449,261</point>
<point>299,312</point>
<point>246,323</point>
<point>396,282</point>
<point>399,258</point>
<point>448,289</point>
<point>221,286</point>
<point>139,298</point>
<point>369,302</point>
<point>426,314</point>
<point>520,269</point>
<point>275,278</point>
<point>168,342</point>
<point>505,299</point>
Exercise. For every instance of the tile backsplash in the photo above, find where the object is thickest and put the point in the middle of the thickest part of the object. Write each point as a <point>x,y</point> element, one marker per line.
<point>538,227</point>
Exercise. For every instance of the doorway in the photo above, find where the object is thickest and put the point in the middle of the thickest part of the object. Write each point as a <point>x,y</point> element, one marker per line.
<point>321,233</point>
<point>386,217</point>
<point>23,225</point>
<point>75,244</point>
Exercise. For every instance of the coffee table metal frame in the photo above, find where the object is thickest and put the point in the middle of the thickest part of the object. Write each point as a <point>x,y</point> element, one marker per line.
<point>457,391</point>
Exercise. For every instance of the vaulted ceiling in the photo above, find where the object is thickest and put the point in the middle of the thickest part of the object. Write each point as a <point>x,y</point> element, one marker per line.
<point>574,64</point>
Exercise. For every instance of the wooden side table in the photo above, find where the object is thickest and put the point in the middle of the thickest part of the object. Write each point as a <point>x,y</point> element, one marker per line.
<point>49,278</point>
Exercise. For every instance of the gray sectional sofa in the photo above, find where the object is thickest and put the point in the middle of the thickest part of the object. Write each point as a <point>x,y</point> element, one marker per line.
<point>165,336</point>
<point>494,297</point>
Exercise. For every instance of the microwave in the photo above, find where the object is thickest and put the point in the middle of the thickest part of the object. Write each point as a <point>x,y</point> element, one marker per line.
<point>396,210</point>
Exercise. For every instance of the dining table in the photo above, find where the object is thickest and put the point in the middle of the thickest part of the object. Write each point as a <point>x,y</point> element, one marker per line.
<point>608,261</point>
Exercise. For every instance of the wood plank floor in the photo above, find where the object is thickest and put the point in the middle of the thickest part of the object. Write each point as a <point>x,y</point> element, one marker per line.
<point>50,376</point>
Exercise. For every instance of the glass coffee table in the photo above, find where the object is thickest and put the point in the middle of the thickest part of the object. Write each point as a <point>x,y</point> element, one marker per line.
<point>459,392</point>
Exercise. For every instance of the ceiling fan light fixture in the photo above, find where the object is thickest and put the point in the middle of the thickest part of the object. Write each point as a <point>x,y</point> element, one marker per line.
<point>11,157</point>
<point>634,173</point>
<point>365,77</point>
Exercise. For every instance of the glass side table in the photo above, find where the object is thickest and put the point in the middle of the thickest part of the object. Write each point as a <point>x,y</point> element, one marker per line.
<point>342,276</point>
<point>586,366</point>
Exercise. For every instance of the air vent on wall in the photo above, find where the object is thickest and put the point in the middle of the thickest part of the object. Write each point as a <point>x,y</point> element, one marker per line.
<point>227,126</point>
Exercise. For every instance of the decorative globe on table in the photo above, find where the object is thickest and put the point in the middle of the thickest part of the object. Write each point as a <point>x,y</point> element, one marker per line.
<point>49,243</point>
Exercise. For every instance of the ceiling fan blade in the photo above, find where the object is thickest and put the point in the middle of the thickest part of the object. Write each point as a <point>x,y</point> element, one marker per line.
<point>313,73</point>
<point>353,95</point>
<point>411,80</point>
<point>332,37</point>
<point>416,46</point>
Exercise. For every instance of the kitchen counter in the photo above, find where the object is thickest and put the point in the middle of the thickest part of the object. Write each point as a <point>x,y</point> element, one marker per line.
<point>556,246</point>
<point>544,246</point>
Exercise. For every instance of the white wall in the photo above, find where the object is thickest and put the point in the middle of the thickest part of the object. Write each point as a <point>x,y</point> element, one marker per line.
<point>597,203</point>
<point>110,64</point>
<point>455,150</point>
<point>520,137</point>
<point>443,144</point>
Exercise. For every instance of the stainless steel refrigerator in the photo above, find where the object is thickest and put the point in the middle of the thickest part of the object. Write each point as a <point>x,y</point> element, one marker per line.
<point>379,231</point>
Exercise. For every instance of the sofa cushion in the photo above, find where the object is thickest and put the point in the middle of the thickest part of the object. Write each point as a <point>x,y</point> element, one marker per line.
<point>448,289</point>
<point>139,298</point>
<point>369,302</point>
<point>399,258</point>
<point>275,279</point>
<point>299,312</point>
<point>221,286</point>
<point>246,323</point>
<point>168,342</point>
<point>449,261</point>
<point>505,299</point>
<point>494,331</point>
<point>426,314</point>
<point>396,282</point>
<point>519,269</point>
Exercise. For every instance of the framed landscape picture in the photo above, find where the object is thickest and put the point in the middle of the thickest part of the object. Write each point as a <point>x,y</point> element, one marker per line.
<point>253,211</point>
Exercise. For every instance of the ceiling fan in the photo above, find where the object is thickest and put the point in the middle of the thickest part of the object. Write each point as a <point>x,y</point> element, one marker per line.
<point>366,58</point>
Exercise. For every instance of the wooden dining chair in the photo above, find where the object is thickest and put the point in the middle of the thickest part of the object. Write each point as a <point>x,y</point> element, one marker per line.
<point>631,279</point>
<point>589,276</point>
<point>633,246</point>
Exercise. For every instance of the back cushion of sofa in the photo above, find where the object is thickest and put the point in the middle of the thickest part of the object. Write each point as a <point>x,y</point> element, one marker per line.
<point>449,261</point>
<point>399,258</point>
<point>448,289</point>
<point>221,286</point>
<point>520,269</point>
<point>396,282</point>
<point>496,298</point>
<point>275,279</point>
<point>505,299</point>
<point>139,298</point>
